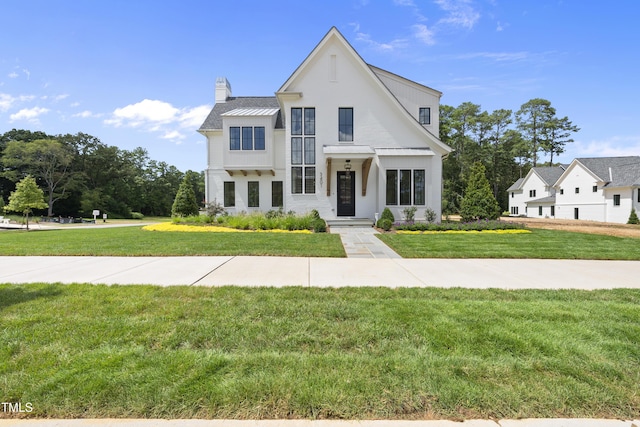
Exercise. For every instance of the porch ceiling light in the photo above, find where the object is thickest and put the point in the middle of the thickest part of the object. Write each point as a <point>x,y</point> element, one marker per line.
<point>347,165</point>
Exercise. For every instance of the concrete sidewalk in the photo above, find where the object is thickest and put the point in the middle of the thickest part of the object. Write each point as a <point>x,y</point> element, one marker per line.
<point>324,272</point>
<point>321,423</point>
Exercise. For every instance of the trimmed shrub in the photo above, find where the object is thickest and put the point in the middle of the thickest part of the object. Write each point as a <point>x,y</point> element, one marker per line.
<point>633,218</point>
<point>430,215</point>
<point>137,215</point>
<point>385,224</point>
<point>319,226</point>
<point>409,213</point>
<point>387,214</point>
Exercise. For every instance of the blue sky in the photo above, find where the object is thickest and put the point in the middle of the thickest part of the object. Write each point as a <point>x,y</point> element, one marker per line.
<point>142,72</point>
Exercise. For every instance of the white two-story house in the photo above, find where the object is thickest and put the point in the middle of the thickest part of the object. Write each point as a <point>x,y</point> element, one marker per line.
<point>601,189</point>
<point>534,195</point>
<point>340,136</point>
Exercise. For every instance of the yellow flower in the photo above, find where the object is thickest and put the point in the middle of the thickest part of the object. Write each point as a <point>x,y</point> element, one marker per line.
<point>169,226</point>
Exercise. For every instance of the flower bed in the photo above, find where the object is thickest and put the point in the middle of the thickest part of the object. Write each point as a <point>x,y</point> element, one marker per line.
<point>511,231</point>
<point>458,226</point>
<point>168,226</point>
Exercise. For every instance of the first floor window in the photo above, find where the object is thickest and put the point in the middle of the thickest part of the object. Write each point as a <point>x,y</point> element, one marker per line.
<point>392,187</point>
<point>277,195</point>
<point>576,213</point>
<point>419,187</point>
<point>553,211</point>
<point>310,180</point>
<point>539,210</point>
<point>254,194</point>
<point>616,200</point>
<point>296,180</point>
<point>405,186</point>
<point>229,194</point>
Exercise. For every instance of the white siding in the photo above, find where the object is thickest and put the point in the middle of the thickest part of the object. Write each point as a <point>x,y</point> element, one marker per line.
<point>591,205</point>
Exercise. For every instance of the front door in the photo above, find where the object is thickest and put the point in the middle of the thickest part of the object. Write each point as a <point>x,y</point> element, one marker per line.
<point>346,193</point>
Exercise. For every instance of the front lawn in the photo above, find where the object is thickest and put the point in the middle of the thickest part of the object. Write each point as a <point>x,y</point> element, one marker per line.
<point>87,351</point>
<point>552,244</point>
<point>133,241</point>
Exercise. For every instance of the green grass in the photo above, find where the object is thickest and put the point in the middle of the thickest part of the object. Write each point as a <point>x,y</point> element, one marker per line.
<point>133,241</point>
<point>90,351</point>
<point>552,244</point>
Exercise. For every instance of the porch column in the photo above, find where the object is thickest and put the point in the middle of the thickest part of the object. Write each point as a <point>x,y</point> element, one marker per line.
<point>328,176</point>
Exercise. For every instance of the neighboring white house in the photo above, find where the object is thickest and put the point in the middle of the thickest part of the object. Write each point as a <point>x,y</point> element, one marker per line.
<point>340,136</point>
<point>598,189</point>
<point>534,195</point>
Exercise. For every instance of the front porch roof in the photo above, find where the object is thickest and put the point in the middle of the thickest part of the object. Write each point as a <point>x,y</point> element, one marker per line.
<point>246,170</point>
<point>348,151</point>
<point>404,152</point>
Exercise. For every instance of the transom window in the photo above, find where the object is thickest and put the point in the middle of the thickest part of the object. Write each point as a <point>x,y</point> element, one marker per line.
<point>246,138</point>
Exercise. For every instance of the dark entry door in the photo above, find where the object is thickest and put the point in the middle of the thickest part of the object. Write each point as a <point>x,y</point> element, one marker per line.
<point>346,193</point>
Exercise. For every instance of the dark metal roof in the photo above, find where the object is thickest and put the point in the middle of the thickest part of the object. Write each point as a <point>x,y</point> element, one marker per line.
<point>214,119</point>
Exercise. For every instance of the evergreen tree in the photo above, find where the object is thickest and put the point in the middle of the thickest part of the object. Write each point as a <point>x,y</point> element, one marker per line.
<point>633,218</point>
<point>26,197</point>
<point>185,202</point>
<point>479,201</point>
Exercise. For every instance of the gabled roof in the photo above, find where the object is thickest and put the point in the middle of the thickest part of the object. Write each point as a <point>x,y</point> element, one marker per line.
<point>547,174</point>
<point>614,171</point>
<point>367,70</point>
<point>214,119</point>
<point>516,185</point>
<point>548,199</point>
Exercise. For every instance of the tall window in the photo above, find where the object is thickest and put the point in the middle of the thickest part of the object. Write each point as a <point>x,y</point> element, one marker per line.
<point>539,210</point>
<point>424,115</point>
<point>277,194</point>
<point>296,121</point>
<point>392,187</point>
<point>309,121</point>
<point>405,187</point>
<point>258,136</point>
<point>234,138</point>
<point>247,138</point>
<point>419,187</point>
<point>254,194</point>
<point>303,150</point>
<point>345,124</point>
<point>229,194</point>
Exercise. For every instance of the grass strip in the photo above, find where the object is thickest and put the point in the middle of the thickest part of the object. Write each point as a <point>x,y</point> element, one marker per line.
<point>133,241</point>
<point>180,352</point>
<point>546,244</point>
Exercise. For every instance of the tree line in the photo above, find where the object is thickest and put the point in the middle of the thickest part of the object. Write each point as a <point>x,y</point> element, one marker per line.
<point>79,173</point>
<point>507,144</point>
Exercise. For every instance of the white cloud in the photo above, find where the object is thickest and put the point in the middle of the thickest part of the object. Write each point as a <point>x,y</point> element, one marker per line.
<point>610,147</point>
<point>391,46</point>
<point>159,116</point>
<point>13,75</point>
<point>86,114</point>
<point>460,13</point>
<point>28,114</point>
<point>422,33</point>
<point>8,101</point>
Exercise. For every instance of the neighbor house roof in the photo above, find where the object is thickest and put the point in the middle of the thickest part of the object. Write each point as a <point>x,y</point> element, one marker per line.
<point>548,199</point>
<point>516,185</point>
<point>614,171</point>
<point>242,103</point>
<point>550,174</point>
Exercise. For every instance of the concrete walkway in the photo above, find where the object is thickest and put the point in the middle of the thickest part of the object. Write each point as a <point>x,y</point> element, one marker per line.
<point>324,272</point>
<point>361,242</point>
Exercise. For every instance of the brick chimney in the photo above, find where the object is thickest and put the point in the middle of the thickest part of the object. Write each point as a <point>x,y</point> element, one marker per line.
<point>223,90</point>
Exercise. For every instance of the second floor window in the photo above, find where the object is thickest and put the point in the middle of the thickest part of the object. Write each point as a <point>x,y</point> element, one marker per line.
<point>345,124</point>
<point>424,115</point>
<point>246,138</point>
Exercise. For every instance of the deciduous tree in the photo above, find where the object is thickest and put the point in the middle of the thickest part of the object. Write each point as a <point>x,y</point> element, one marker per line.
<point>26,197</point>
